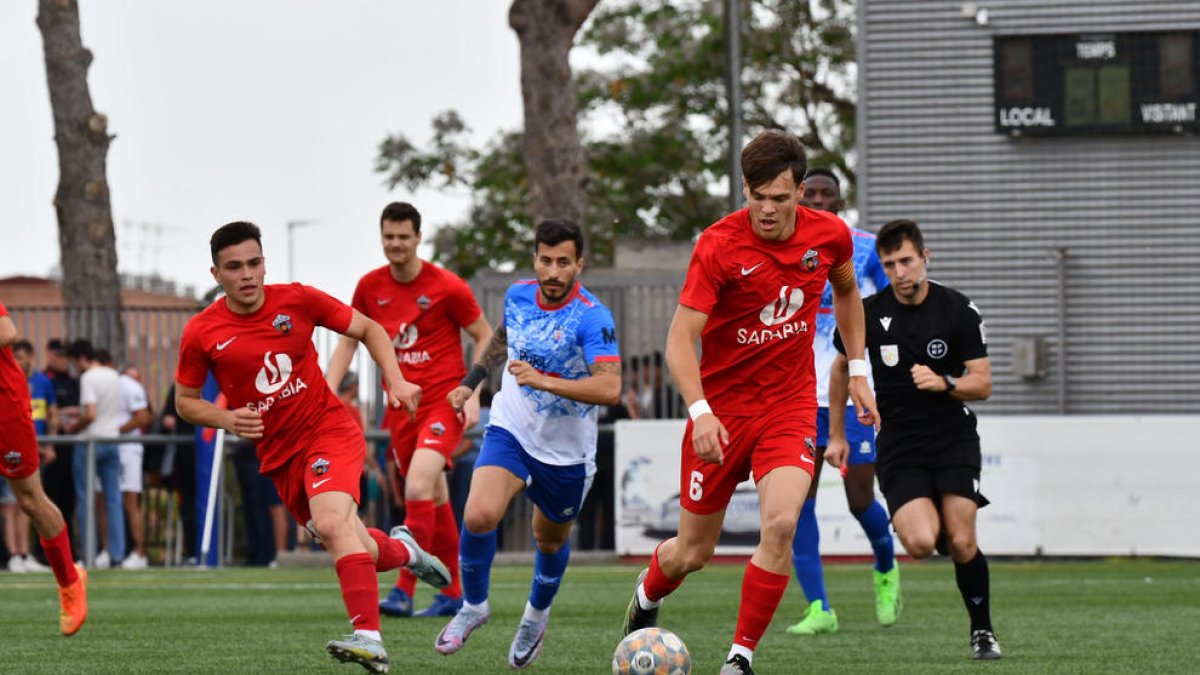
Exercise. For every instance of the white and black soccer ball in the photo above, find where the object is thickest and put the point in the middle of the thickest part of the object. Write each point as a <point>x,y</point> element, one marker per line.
<point>651,651</point>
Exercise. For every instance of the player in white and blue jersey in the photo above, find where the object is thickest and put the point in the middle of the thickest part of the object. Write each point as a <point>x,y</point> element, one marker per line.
<point>823,192</point>
<point>560,345</point>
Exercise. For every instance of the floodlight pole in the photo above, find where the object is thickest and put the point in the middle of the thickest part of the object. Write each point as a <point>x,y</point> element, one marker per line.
<point>733,57</point>
<point>291,252</point>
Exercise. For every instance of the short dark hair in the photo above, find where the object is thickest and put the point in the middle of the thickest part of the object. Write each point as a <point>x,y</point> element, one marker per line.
<point>22,346</point>
<point>233,234</point>
<point>822,171</point>
<point>81,349</point>
<point>56,345</point>
<point>893,235</point>
<point>771,153</point>
<point>554,231</point>
<point>400,212</point>
<point>104,357</point>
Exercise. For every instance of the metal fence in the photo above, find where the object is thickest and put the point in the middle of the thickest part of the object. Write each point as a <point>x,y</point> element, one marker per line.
<point>152,336</point>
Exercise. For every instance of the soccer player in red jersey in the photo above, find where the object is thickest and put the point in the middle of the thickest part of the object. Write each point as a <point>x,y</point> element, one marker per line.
<point>424,308</point>
<point>257,342</point>
<point>751,296</point>
<point>19,465</point>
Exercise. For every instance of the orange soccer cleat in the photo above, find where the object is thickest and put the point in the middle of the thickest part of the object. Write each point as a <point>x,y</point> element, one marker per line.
<point>74,604</point>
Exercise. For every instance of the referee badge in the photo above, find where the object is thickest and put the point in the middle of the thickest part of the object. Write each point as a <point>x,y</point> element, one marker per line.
<point>890,354</point>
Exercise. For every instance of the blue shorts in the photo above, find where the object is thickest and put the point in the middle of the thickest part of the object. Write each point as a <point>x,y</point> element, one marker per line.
<point>558,491</point>
<point>860,437</point>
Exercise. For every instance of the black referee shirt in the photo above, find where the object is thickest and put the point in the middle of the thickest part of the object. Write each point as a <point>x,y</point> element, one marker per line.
<point>943,332</point>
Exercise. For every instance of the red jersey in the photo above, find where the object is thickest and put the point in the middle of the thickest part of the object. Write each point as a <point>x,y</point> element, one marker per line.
<point>761,298</point>
<point>423,318</point>
<point>14,386</point>
<point>266,361</point>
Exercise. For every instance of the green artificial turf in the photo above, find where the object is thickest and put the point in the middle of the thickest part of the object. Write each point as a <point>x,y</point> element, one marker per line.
<point>1050,617</point>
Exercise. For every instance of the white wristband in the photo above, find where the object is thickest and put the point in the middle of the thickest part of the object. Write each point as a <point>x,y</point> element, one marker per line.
<point>699,408</point>
<point>858,368</point>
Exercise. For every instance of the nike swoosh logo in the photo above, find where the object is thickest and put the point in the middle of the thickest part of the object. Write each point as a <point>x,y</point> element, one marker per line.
<point>223,345</point>
<point>806,458</point>
<point>523,659</point>
<point>318,483</point>
<point>746,271</point>
<point>430,441</point>
<point>383,301</point>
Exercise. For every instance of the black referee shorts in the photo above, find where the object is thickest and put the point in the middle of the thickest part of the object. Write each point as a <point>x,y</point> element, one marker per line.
<point>902,484</point>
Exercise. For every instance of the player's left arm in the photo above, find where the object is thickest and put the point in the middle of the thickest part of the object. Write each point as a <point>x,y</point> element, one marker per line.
<point>970,336</point>
<point>598,341</point>
<point>401,392</point>
<point>974,385</point>
<point>481,332</point>
<point>602,387</point>
<point>848,312</point>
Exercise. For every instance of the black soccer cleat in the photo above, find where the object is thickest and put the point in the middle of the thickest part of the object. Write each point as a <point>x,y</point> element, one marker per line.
<point>637,618</point>
<point>984,645</point>
<point>737,665</point>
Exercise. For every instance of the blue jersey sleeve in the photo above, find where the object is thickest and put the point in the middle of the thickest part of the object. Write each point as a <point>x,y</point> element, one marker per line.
<point>874,270</point>
<point>598,336</point>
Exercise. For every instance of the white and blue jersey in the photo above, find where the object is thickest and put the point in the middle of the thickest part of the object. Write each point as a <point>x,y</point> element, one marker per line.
<point>561,341</point>
<point>871,279</point>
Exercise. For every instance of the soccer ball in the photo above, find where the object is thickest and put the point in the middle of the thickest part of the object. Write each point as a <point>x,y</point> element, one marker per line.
<point>651,651</point>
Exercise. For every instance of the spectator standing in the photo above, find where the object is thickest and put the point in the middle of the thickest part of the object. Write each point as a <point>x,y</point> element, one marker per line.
<point>135,414</point>
<point>56,473</point>
<point>100,415</point>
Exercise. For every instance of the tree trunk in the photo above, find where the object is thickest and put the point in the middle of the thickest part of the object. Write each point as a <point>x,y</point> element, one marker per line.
<point>87,242</point>
<point>553,153</point>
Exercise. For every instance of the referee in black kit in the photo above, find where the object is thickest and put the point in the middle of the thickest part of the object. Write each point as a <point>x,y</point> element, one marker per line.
<point>928,350</point>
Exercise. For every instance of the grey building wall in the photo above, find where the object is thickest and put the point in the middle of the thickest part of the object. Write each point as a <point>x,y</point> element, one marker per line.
<point>995,209</point>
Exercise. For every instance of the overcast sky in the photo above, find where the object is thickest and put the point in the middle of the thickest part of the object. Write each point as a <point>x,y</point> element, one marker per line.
<point>268,111</point>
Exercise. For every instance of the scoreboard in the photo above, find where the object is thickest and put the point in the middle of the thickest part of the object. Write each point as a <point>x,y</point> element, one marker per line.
<point>1094,84</point>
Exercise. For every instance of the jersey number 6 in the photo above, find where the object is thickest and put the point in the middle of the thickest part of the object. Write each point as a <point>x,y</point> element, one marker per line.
<point>696,489</point>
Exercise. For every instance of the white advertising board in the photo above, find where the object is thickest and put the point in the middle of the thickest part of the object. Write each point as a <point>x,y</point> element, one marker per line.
<point>1058,486</point>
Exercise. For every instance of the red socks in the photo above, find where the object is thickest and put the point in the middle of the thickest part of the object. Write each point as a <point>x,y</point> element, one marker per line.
<point>360,589</point>
<point>392,554</point>
<point>58,554</point>
<point>656,584</point>
<point>761,593</point>
<point>419,517</point>
<point>445,547</point>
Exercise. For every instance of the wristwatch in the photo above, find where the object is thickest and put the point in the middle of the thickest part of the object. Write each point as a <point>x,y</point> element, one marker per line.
<point>951,383</point>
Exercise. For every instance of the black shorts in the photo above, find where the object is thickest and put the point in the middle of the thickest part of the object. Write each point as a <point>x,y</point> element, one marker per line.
<point>902,484</point>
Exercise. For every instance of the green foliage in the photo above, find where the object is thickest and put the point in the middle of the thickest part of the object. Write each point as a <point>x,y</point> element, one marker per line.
<point>653,116</point>
<point>1119,616</point>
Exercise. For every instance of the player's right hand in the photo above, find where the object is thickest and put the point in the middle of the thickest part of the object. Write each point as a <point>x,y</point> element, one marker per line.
<point>405,394</point>
<point>837,451</point>
<point>709,436</point>
<point>245,423</point>
<point>457,398</point>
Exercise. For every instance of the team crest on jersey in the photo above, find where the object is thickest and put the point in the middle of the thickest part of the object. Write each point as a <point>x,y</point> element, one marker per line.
<point>320,466</point>
<point>558,334</point>
<point>437,428</point>
<point>424,302</point>
<point>890,354</point>
<point>282,323</point>
<point>810,444</point>
<point>810,259</point>
<point>12,458</point>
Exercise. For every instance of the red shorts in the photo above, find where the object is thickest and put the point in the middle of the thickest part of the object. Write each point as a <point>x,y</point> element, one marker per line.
<point>331,462</point>
<point>756,445</point>
<point>18,448</point>
<point>436,428</point>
